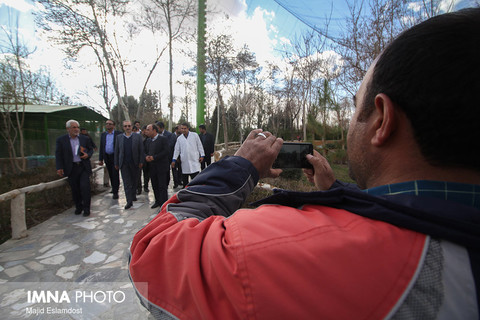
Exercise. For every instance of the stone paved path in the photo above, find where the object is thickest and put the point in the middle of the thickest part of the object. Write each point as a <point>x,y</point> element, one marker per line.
<point>75,267</point>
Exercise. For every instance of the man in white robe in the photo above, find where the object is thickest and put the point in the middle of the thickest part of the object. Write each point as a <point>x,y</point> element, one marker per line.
<point>190,149</point>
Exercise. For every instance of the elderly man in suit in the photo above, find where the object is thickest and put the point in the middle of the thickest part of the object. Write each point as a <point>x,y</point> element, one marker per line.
<point>72,158</point>
<point>157,155</point>
<point>107,155</point>
<point>129,158</point>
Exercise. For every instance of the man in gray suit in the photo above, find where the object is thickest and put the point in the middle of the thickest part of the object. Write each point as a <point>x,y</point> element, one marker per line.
<point>128,158</point>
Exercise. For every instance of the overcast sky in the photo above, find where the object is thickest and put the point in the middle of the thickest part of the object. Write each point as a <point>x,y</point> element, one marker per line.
<point>264,25</point>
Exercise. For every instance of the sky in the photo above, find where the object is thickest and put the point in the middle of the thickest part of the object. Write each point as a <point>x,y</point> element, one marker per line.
<point>264,25</point>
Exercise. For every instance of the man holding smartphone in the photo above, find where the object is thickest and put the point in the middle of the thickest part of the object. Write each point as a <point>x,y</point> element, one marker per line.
<point>404,244</point>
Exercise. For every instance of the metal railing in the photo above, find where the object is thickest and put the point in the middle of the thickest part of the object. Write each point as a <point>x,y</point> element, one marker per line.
<point>17,205</point>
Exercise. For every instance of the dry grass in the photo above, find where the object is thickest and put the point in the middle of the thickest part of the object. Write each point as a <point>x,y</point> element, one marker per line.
<point>293,179</point>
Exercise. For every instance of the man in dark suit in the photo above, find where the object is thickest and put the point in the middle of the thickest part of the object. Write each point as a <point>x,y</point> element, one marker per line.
<point>129,158</point>
<point>171,138</point>
<point>208,143</point>
<point>107,155</point>
<point>157,155</point>
<point>177,169</point>
<point>72,159</point>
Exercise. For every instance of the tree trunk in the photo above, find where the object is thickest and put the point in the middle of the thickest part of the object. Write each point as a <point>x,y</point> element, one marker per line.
<point>224,117</point>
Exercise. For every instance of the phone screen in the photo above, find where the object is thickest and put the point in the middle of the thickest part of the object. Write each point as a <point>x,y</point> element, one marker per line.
<point>293,155</point>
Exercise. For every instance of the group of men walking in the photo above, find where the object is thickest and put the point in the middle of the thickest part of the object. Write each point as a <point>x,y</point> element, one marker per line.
<point>151,150</point>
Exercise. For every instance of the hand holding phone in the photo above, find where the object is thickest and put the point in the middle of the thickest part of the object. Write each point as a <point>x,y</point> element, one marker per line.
<point>321,175</point>
<point>293,155</point>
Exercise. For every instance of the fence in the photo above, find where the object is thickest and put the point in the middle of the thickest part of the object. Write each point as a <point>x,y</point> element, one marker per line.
<point>17,205</point>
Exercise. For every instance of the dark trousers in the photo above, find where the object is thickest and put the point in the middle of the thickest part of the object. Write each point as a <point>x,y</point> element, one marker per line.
<point>158,177</point>
<point>177,173</point>
<point>206,162</point>
<point>185,178</point>
<point>112,172</point>
<point>79,181</point>
<point>146,177</point>
<point>130,174</point>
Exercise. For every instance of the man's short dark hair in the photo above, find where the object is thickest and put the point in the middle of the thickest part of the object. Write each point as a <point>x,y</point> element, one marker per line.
<point>135,122</point>
<point>160,124</point>
<point>432,73</point>
<point>202,126</point>
<point>185,124</point>
<point>154,127</point>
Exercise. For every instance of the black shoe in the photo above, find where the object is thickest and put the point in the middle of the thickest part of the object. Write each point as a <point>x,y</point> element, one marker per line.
<point>155,205</point>
<point>139,191</point>
<point>78,211</point>
<point>134,199</point>
<point>129,205</point>
<point>86,213</point>
<point>145,189</point>
<point>115,196</point>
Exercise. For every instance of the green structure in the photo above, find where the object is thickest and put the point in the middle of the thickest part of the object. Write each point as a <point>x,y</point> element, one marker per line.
<point>201,68</point>
<point>44,123</point>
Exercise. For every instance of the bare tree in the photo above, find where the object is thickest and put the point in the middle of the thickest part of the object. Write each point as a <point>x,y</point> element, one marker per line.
<point>19,86</point>
<point>189,87</point>
<point>343,111</point>
<point>78,24</point>
<point>175,17</point>
<point>245,73</point>
<point>371,26</point>
<point>308,66</point>
<point>219,71</point>
<point>150,19</point>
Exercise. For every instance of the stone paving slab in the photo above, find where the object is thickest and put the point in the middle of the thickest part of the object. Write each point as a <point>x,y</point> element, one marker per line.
<point>75,267</point>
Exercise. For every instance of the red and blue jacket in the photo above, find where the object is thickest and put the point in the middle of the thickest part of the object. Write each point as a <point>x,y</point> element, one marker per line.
<point>336,254</point>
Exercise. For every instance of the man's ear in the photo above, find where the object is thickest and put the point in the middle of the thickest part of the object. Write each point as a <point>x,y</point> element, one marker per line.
<point>385,121</point>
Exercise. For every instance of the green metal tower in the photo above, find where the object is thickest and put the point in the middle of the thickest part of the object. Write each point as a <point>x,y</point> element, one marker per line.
<point>201,68</point>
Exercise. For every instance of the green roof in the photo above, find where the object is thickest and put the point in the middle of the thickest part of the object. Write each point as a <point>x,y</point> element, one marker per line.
<point>42,108</point>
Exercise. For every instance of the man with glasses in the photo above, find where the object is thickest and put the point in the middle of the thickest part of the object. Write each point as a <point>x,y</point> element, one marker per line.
<point>107,155</point>
<point>128,159</point>
<point>72,159</point>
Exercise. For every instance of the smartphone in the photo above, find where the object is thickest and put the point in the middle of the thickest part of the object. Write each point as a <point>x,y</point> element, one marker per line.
<point>293,155</point>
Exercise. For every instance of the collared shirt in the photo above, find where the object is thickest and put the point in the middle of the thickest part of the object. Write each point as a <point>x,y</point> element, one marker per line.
<point>155,138</point>
<point>75,144</point>
<point>109,142</point>
<point>468,194</point>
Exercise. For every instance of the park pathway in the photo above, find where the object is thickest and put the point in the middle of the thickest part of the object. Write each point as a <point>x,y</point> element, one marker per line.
<point>75,267</point>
